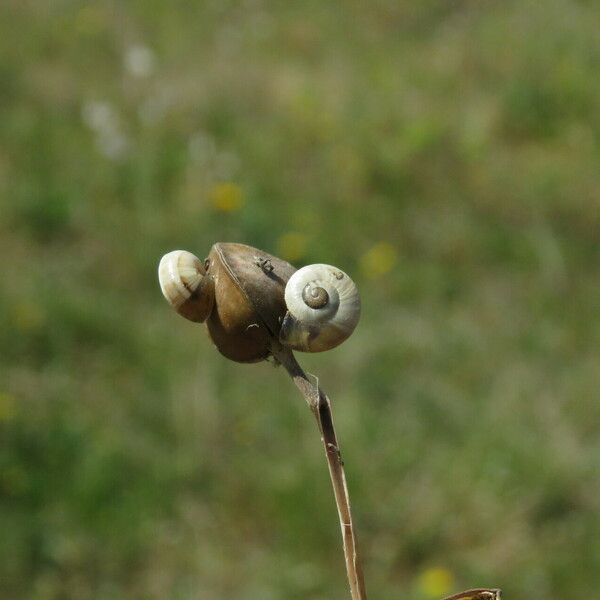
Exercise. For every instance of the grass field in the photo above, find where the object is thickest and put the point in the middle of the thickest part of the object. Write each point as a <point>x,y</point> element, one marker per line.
<point>445,154</point>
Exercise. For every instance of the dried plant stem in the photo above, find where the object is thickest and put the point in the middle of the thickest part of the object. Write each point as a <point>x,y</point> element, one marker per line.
<point>321,407</point>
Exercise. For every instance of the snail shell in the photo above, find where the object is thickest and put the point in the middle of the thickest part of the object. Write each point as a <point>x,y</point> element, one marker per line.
<point>184,284</point>
<point>323,308</point>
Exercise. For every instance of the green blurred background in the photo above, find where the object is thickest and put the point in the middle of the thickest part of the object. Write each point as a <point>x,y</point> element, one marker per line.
<point>446,154</point>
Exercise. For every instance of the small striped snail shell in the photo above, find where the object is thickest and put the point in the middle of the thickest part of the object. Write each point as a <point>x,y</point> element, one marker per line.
<point>323,309</point>
<point>186,287</point>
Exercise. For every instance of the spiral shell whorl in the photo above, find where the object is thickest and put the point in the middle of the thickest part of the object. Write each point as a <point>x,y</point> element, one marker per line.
<point>315,296</point>
<point>184,284</point>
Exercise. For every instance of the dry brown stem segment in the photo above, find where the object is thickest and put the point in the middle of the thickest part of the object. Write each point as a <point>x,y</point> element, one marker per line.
<point>320,405</point>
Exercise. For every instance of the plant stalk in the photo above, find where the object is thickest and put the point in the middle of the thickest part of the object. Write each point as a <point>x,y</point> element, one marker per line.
<point>320,406</point>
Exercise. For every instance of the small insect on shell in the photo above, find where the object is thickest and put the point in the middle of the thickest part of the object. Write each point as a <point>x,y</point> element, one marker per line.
<point>185,285</point>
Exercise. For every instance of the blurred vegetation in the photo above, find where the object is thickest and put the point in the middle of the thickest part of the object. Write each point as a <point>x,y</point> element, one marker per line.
<point>444,153</point>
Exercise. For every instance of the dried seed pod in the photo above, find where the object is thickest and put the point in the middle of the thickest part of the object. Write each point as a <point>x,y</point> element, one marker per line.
<point>249,302</point>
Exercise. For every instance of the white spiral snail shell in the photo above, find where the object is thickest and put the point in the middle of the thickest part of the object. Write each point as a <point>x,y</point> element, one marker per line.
<point>323,308</point>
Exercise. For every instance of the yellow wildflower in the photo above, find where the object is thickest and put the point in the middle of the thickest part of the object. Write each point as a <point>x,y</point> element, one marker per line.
<point>436,582</point>
<point>378,260</point>
<point>291,246</point>
<point>227,197</point>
